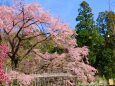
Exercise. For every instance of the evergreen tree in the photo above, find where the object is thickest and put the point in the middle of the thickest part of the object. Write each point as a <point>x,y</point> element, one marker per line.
<point>102,22</point>
<point>88,33</point>
<point>85,17</point>
<point>85,24</point>
<point>105,57</point>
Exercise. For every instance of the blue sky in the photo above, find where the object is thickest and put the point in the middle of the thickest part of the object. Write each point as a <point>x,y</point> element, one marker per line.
<point>67,9</point>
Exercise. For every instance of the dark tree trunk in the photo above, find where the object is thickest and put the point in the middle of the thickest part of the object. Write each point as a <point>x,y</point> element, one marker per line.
<point>14,63</point>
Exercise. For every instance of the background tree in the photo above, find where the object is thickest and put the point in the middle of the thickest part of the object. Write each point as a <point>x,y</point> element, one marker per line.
<point>105,57</point>
<point>85,24</point>
<point>88,33</point>
<point>102,22</point>
<point>99,38</point>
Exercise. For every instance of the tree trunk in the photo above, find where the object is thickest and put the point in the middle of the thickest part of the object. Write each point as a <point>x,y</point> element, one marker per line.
<point>14,63</point>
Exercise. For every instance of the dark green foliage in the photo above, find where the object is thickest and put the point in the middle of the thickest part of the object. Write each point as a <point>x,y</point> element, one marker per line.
<point>50,47</point>
<point>46,46</point>
<point>99,38</point>
<point>85,25</point>
<point>102,22</point>
<point>85,17</point>
<point>88,33</point>
<point>105,57</point>
<point>104,62</point>
<point>83,38</point>
<point>59,50</point>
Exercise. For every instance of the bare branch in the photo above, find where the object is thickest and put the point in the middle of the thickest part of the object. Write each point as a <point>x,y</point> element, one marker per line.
<point>21,26</point>
<point>29,50</point>
<point>35,36</point>
<point>38,55</point>
<point>31,23</point>
<point>10,42</point>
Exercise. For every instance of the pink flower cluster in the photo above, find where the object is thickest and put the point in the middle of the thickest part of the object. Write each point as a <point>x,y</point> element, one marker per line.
<point>4,77</point>
<point>78,53</point>
<point>3,54</point>
<point>21,77</point>
<point>27,22</point>
<point>49,56</point>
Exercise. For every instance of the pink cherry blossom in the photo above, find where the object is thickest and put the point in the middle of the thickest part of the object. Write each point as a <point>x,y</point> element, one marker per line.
<point>21,77</point>
<point>3,54</point>
<point>27,21</point>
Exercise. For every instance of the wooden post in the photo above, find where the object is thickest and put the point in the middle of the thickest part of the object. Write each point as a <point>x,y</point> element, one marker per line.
<point>111,82</point>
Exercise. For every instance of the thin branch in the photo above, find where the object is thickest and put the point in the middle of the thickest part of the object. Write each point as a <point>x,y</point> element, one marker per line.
<point>39,55</point>
<point>14,24</point>
<point>10,42</point>
<point>32,48</point>
<point>21,26</point>
<point>17,46</point>
<point>31,24</point>
<point>35,36</point>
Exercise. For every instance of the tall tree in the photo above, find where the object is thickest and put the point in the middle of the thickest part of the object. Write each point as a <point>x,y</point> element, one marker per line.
<point>102,22</point>
<point>88,33</point>
<point>105,57</point>
<point>85,17</point>
<point>86,29</point>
